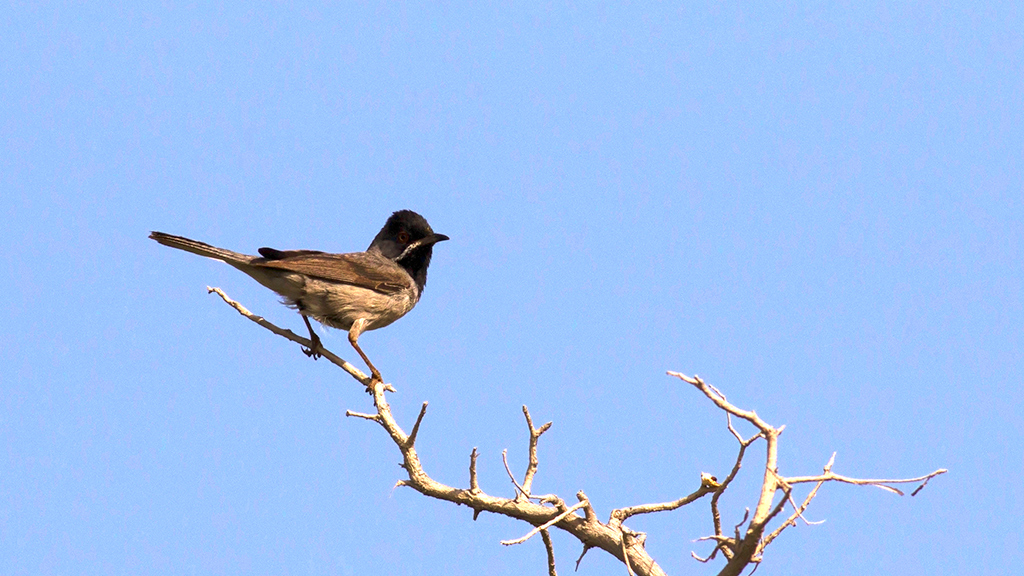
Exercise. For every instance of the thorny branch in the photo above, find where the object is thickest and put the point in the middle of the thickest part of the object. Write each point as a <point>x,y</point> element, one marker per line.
<point>743,547</point>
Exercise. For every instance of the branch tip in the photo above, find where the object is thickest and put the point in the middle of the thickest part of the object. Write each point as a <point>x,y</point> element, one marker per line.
<point>416,427</point>
<point>519,489</point>
<point>352,414</point>
<point>534,462</point>
<point>586,548</point>
<point>474,485</point>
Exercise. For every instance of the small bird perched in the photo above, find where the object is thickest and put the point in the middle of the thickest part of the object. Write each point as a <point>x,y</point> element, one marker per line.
<point>357,292</point>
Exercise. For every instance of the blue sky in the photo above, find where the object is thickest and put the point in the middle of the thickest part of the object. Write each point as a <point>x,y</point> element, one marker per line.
<point>817,209</point>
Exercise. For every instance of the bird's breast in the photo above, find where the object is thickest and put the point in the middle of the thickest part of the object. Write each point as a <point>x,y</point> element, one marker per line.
<point>339,305</point>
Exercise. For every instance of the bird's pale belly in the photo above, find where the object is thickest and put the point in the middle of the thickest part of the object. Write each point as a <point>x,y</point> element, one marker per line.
<point>339,305</point>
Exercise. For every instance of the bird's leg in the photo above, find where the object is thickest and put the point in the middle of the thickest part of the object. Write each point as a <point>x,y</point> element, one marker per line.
<point>314,350</point>
<point>353,337</point>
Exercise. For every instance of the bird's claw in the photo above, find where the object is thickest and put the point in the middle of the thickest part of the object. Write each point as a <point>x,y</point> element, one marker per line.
<point>314,350</point>
<point>375,378</point>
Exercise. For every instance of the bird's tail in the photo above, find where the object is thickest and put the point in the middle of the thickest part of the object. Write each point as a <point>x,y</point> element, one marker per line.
<point>200,248</point>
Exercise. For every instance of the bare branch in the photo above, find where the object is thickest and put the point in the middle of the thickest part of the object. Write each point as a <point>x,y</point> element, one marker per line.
<point>586,548</point>
<point>791,521</point>
<point>741,549</point>
<point>535,433</point>
<point>921,487</point>
<point>625,556</point>
<point>747,547</point>
<point>719,400</point>
<point>786,491</point>
<point>352,370</point>
<point>416,427</point>
<point>876,482</point>
<point>374,417</point>
<point>797,511</point>
<point>735,433</point>
<point>550,548</point>
<point>827,476</point>
<point>546,525</point>
<point>715,515</point>
<point>769,433</point>
<point>717,538</point>
<point>588,510</point>
<point>474,484</point>
<point>519,489</point>
<point>620,515</point>
<point>703,560</point>
<point>736,528</point>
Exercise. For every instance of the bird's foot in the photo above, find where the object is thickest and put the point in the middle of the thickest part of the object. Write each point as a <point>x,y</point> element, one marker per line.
<point>314,351</point>
<point>375,378</point>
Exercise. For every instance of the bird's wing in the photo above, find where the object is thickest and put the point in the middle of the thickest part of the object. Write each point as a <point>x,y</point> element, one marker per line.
<point>361,269</point>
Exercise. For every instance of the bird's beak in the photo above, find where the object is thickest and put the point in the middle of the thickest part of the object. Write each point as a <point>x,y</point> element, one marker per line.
<point>433,239</point>
<point>425,241</point>
<point>421,243</point>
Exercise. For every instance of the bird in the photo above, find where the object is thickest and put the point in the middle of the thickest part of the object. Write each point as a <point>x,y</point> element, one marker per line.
<point>358,291</point>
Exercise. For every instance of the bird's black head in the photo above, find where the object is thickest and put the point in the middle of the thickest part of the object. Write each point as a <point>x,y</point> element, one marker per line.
<point>408,240</point>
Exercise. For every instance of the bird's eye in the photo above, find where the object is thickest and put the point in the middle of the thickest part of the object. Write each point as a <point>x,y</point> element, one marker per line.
<point>403,237</point>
